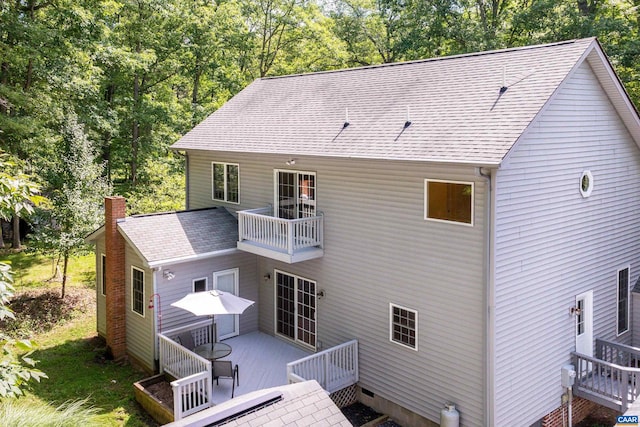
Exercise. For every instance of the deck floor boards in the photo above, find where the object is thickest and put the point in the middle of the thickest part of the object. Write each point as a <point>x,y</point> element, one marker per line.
<point>262,363</point>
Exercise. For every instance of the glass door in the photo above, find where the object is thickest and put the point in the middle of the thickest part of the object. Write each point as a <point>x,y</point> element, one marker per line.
<point>296,308</point>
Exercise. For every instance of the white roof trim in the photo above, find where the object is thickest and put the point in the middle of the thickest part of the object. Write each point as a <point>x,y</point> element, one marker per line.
<point>94,235</point>
<point>195,257</point>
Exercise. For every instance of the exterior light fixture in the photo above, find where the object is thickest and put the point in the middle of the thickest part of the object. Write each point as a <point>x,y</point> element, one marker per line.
<point>168,274</point>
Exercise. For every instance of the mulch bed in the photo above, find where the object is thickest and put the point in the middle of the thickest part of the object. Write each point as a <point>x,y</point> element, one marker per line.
<point>359,414</point>
<point>162,391</point>
<point>601,417</point>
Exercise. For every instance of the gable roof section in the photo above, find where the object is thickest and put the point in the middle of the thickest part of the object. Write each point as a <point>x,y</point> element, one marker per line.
<point>457,111</point>
<point>169,238</point>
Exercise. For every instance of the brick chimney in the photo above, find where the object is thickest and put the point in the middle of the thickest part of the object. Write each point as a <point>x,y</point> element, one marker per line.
<point>114,209</point>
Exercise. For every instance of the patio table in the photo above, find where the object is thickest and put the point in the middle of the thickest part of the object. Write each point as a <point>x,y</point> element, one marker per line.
<point>213,351</point>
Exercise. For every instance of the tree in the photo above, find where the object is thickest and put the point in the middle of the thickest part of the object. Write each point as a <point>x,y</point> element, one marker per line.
<point>77,189</point>
<point>18,196</point>
<point>15,371</point>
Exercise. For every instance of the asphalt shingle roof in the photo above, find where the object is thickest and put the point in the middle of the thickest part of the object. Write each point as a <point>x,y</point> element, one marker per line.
<point>456,108</point>
<point>173,235</point>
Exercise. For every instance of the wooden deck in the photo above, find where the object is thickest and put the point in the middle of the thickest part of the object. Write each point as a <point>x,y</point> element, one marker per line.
<point>262,363</point>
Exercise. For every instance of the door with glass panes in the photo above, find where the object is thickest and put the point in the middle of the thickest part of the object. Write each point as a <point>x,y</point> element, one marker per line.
<point>296,308</point>
<point>227,325</point>
<point>295,194</point>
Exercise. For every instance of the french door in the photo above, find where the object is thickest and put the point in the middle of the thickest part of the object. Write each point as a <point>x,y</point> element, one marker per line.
<point>227,325</point>
<point>296,308</point>
<point>295,194</point>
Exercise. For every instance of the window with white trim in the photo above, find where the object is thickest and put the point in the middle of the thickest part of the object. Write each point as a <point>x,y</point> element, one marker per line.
<point>200,285</point>
<point>225,179</point>
<point>450,201</point>
<point>403,328</point>
<point>623,301</point>
<point>103,274</point>
<point>137,290</point>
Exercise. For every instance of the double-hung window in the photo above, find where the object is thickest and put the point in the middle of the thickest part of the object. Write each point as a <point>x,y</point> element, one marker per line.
<point>137,290</point>
<point>449,201</point>
<point>225,182</point>
<point>623,300</point>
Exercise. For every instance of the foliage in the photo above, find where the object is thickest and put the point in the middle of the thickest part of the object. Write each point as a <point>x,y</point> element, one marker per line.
<point>24,413</point>
<point>141,73</point>
<point>163,190</point>
<point>15,371</point>
<point>77,190</point>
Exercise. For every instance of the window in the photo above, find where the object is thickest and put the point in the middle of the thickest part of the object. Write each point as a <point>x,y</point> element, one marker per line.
<point>448,201</point>
<point>404,326</point>
<point>295,194</point>
<point>200,285</point>
<point>623,300</point>
<point>103,273</point>
<point>586,184</point>
<point>137,290</point>
<point>225,177</point>
<point>296,308</point>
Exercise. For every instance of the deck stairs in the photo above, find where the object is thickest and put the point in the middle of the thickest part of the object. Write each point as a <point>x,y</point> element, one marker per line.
<point>611,378</point>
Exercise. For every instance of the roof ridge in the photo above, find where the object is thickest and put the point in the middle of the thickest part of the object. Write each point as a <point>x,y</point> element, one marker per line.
<point>439,58</point>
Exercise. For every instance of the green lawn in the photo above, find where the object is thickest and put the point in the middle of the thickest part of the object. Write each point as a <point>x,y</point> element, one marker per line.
<point>71,354</point>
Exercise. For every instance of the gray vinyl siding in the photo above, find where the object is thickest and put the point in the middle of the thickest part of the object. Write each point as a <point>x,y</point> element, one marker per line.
<point>378,250</point>
<point>101,301</point>
<point>552,244</point>
<point>182,284</point>
<point>140,342</point>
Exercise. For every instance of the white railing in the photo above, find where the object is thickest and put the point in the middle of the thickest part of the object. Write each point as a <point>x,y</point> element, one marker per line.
<point>191,394</point>
<point>192,389</point>
<point>177,360</point>
<point>285,235</point>
<point>604,382</point>
<point>334,368</point>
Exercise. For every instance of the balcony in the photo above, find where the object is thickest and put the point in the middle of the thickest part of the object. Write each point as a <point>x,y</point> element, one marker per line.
<point>286,240</point>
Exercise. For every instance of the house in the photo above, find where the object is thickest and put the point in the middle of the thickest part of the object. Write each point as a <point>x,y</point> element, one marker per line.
<point>471,220</point>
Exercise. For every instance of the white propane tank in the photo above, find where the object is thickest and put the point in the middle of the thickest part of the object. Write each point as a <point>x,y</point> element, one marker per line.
<point>449,416</point>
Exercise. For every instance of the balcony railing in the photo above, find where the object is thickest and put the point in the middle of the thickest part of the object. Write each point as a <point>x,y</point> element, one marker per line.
<point>288,240</point>
<point>334,369</point>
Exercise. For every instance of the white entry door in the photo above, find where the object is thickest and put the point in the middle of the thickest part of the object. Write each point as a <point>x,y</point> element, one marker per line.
<point>228,325</point>
<point>584,323</point>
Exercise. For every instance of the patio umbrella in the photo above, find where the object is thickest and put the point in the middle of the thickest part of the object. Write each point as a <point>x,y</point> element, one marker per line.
<point>214,302</point>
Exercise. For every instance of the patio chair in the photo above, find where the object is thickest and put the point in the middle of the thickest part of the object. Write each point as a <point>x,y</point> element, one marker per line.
<point>225,369</point>
<point>185,339</point>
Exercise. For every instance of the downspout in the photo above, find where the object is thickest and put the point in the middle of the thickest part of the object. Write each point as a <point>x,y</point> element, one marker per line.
<point>490,296</point>
<point>156,349</point>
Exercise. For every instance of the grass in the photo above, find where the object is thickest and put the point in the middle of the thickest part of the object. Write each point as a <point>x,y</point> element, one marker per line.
<point>68,348</point>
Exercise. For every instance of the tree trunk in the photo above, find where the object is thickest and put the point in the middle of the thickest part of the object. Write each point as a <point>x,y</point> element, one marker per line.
<point>64,273</point>
<point>16,232</point>
<point>1,235</point>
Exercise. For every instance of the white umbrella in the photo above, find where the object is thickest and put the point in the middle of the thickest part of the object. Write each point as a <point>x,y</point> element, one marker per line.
<point>214,302</point>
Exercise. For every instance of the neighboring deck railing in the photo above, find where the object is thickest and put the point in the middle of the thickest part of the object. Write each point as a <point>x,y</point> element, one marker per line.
<point>606,383</point>
<point>284,235</point>
<point>192,389</point>
<point>334,368</point>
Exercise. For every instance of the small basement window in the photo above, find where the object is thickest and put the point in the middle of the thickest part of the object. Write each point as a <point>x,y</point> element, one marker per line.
<point>403,326</point>
<point>200,285</point>
<point>449,201</point>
